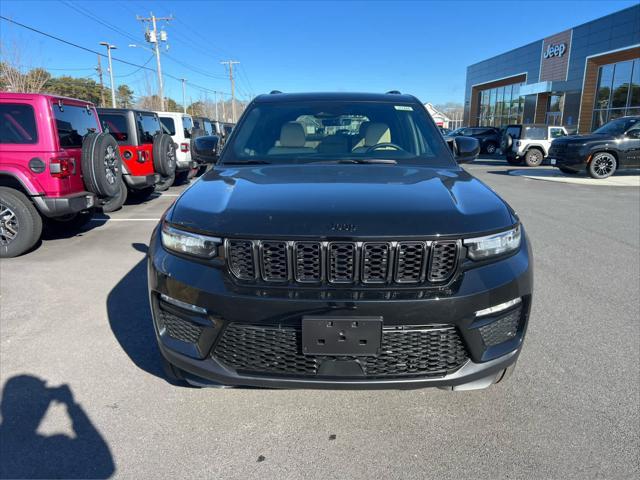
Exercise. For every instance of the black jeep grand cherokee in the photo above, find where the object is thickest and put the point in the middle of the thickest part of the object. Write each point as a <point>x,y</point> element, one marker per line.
<point>337,244</point>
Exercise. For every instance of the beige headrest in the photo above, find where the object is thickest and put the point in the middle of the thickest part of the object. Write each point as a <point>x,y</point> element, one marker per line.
<point>377,133</point>
<point>292,135</point>
<point>362,129</point>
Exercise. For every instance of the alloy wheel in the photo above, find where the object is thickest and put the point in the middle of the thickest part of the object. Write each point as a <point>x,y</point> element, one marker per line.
<point>171,157</point>
<point>111,164</point>
<point>8,225</point>
<point>603,165</point>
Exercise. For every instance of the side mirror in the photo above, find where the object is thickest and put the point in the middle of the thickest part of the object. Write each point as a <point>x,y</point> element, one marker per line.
<point>205,149</point>
<point>465,149</point>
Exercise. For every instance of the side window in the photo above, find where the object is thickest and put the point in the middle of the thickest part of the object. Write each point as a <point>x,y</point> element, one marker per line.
<point>17,124</point>
<point>466,132</point>
<point>149,127</point>
<point>116,125</point>
<point>169,125</point>
<point>556,132</point>
<point>208,127</point>
<point>535,133</point>
<point>73,123</point>
<point>187,125</point>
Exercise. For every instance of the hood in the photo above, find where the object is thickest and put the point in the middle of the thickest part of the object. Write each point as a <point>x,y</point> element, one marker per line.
<point>329,201</point>
<point>584,138</point>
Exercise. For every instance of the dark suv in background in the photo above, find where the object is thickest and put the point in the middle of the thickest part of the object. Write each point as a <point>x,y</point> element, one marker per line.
<point>489,137</point>
<point>337,244</point>
<point>614,146</point>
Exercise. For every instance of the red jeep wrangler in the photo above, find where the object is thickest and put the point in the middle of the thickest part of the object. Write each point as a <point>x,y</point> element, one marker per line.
<point>148,155</point>
<point>55,165</point>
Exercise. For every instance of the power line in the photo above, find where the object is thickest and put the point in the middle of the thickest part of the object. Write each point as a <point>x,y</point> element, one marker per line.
<point>137,69</point>
<point>95,52</point>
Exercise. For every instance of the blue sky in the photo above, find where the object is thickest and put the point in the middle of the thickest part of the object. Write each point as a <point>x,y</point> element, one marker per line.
<point>420,47</point>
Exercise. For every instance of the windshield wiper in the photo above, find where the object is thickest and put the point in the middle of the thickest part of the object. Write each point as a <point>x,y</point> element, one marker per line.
<point>248,162</point>
<point>360,161</point>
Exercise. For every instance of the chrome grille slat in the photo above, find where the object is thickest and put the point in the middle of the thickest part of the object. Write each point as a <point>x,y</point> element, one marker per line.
<point>308,263</point>
<point>342,259</point>
<point>274,261</point>
<point>444,259</point>
<point>410,262</point>
<point>370,263</point>
<point>375,262</point>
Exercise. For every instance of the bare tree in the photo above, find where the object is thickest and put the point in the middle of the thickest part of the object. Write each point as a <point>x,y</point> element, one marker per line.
<point>13,74</point>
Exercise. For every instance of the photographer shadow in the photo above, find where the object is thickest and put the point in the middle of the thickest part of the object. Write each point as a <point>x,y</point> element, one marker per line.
<point>25,453</point>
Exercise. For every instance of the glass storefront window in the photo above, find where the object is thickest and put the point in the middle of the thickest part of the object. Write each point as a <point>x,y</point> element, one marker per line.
<point>617,93</point>
<point>604,86</point>
<point>634,98</point>
<point>500,106</point>
<point>620,87</point>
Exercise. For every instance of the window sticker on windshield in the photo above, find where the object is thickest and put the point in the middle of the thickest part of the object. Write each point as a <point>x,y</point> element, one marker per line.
<point>403,107</point>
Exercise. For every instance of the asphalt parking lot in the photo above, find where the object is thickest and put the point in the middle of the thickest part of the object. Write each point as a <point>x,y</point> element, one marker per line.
<point>75,312</point>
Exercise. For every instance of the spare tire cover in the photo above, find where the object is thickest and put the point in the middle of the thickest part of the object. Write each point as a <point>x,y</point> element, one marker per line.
<point>101,164</point>
<point>164,155</point>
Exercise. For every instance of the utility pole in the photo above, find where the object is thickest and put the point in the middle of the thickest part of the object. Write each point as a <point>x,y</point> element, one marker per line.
<point>184,95</point>
<point>113,88</point>
<point>215,99</point>
<point>231,63</point>
<point>153,37</point>
<point>99,70</point>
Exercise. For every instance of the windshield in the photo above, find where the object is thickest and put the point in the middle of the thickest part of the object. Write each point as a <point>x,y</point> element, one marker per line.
<point>341,130</point>
<point>617,127</point>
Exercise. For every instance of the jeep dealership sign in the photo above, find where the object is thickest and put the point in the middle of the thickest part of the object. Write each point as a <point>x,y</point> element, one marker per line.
<point>555,50</point>
<point>554,57</point>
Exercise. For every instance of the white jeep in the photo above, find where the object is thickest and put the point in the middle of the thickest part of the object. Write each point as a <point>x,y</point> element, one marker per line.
<point>180,127</point>
<point>529,143</point>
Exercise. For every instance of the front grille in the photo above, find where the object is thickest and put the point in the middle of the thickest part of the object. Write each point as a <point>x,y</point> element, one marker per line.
<point>430,351</point>
<point>410,262</point>
<point>178,328</point>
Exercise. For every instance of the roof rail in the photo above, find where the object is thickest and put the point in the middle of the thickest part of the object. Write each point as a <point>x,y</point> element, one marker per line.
<point>394,92</point>
<point>273,92</point>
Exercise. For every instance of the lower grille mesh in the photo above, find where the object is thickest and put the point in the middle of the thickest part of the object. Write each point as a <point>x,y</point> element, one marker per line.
<point>422,351</point>
<point>178,328</point>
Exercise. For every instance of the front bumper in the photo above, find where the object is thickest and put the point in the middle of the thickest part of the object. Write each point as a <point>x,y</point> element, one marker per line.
<point>575,160</point>
<point>225,303</point>
<point>66,205</point>
<point>138,182</point>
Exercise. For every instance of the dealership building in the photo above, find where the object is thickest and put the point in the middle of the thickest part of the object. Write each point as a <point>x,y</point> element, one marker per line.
<point>580,78</point>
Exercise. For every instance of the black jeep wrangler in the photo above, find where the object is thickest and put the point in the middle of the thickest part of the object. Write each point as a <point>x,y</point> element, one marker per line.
<point>337,244</point>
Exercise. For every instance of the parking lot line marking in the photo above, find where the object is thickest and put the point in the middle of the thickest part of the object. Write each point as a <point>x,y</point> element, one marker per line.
<point>170,194</point>
<point>125,219</point>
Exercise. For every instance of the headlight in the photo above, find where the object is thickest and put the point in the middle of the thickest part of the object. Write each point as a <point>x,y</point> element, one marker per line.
<point>497,244</point>
<point>189,243</point>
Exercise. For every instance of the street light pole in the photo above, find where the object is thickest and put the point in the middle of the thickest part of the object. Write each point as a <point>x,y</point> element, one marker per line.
<point>113,88</point>
<point>184,95</point>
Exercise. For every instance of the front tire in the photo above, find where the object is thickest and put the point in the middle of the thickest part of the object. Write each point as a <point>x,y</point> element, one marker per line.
<point>533,158</point>
<point>20,223</point>
<point>602,165</point>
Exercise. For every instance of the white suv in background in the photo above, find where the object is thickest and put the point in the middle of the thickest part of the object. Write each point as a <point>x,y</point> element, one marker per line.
<point>529,143</point>
<point>180,127</point>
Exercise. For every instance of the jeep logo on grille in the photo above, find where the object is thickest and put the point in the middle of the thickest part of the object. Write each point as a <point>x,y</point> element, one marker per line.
<point>555,50</point>
<point>343,227</point>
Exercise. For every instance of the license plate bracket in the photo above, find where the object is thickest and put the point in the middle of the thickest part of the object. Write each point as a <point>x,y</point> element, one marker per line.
<point>336,336</point>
